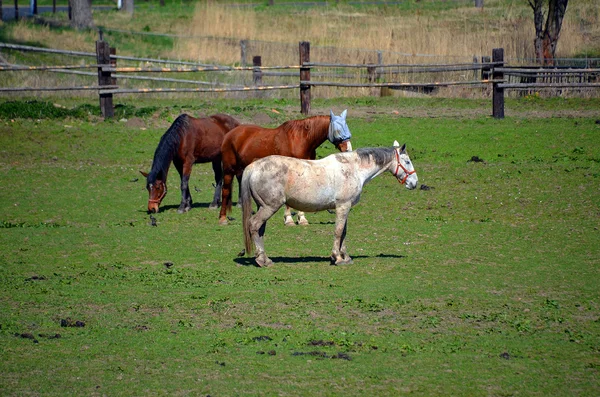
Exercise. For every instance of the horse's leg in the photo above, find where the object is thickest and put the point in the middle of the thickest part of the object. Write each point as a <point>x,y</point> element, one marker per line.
<point>218,170</point>
<point>257,226</point>
<point>186,198</point>
<point>226,198</point>
<point>287,217</point>
<point>302,219</point>
<point>338,253</point>
<point>239,179</point>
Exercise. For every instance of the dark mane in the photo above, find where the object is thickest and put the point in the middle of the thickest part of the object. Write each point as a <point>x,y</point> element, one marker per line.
<point>381,155</point>
<point>166,148</point>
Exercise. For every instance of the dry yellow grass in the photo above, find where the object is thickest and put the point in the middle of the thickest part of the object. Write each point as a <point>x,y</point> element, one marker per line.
<point>453,34</point>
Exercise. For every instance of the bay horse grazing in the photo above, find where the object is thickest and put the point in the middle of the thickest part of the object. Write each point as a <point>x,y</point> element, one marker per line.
<point>188,140</point>
<point>294,138</point>
<point>334,182</point>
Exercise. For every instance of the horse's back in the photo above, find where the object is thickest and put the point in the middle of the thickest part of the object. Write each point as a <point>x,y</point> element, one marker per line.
<point>206,137</point>
<point>307,185</point>
<point>248,142</point>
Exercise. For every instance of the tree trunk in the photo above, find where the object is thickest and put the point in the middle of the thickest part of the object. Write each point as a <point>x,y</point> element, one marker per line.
<point>81,14</point>
<point>546,37</point>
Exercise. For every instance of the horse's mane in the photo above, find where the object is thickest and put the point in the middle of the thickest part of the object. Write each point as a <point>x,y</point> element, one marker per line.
<point>307,127</point>
<point>380,155</point>
<point>169,142</point>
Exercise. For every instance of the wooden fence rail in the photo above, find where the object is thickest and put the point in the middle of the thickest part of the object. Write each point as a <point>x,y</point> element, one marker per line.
<point>491,71</point>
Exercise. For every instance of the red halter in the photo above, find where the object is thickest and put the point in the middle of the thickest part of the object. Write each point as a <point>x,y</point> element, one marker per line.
<point>399,165</point>
<point>162,196</point>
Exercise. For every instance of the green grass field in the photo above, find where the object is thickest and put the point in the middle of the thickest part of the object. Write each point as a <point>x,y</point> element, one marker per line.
<point>486,284</point>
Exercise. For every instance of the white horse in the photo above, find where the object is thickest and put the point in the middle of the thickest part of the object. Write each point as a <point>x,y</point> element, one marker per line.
<point>334,182</point>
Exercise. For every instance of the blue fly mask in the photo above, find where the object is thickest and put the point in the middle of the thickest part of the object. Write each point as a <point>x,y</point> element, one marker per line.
<point>338,129</point>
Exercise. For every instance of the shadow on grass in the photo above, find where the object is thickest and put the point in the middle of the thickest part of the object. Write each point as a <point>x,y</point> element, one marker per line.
<point>249,261</point>
<point>175,207</point>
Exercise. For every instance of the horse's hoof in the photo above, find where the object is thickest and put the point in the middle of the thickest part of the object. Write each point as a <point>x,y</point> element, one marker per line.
<point>342,261</point>
<point>223,222</point>
<point>183,211</point>
<point>213,206</point>
<point>303,221</point>
<point>263,261</point>
<point>288,221</point>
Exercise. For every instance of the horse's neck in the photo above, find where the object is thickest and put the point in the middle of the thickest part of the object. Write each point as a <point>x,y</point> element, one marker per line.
<point>368,172</point>
<point>160,164</point>
<point>318,132</point>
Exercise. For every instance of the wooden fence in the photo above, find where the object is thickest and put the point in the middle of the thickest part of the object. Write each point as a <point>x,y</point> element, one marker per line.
<point>490,72</point>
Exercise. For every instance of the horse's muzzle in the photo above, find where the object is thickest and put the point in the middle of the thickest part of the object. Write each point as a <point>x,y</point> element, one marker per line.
<point>411,183</point>
<point>344,146</point>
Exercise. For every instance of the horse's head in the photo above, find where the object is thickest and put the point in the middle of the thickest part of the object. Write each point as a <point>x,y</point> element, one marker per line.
<point>339,133</point>
<point>157,190</point>
<point>405,171</point>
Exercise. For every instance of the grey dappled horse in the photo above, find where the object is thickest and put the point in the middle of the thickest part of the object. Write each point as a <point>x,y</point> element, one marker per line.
<point>334,182</point>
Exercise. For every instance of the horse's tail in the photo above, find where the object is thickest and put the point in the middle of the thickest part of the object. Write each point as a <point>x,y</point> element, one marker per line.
<point>246,198</point>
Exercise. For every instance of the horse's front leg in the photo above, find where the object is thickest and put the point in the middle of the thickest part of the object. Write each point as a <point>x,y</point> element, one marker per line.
<point>288,220</point>
<point>287,217</point>
<point>302,219</point>
<point>218,170</point>
<point>338,253</point>
<point>186,197</point>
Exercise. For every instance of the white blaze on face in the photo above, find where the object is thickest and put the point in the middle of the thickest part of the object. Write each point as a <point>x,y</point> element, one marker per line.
<point>349,146</point>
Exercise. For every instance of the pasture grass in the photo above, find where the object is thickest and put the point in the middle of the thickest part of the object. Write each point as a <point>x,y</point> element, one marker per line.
<point>485,284</point>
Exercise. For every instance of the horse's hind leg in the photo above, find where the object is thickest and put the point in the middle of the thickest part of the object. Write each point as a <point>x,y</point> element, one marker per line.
<point>338,253</point>
<point>218,170</point>
<point>239,179</point>
<point>257,226</point>
<point>226,198</point>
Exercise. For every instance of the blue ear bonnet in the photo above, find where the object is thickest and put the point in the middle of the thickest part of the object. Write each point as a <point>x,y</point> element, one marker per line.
<point>338,129</point>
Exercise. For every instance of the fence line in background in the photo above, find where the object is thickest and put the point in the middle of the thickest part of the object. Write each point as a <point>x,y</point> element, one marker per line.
<point>493,71</point>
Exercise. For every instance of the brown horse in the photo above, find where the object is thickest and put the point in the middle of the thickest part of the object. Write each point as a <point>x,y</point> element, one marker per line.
<point>189,140</point>
<point>295,138</point>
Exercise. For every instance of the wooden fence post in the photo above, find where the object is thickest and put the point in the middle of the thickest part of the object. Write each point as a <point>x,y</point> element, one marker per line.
<point>497,92</point>
<point>113,63</point>
<point>485,69</point>
<point>304,76</point>
<point>257,72</point>
<point>104,78</point>
<point>243,46</point>
<point>16,10</point>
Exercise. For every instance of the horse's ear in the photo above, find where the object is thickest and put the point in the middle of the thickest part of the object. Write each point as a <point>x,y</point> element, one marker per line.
<point>396,144</point>
<point>403,148</point>
<point>144,173</point>
<point>344,113</point>
<point>331,113</point>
